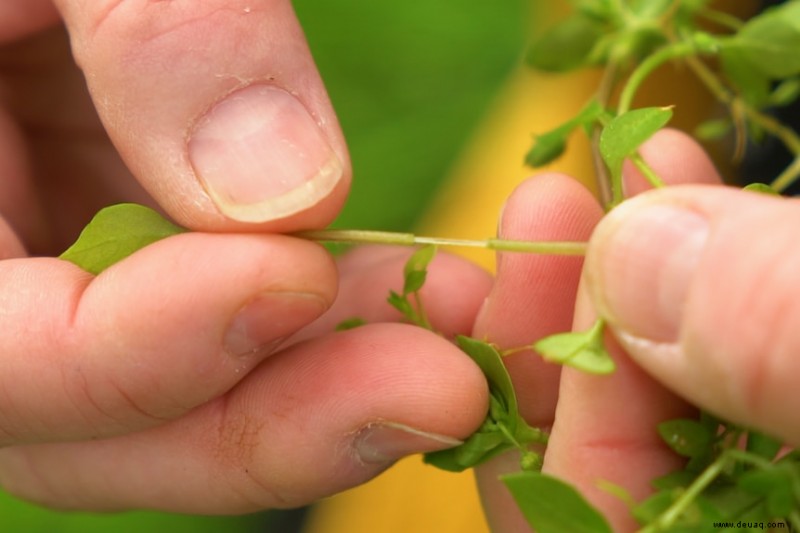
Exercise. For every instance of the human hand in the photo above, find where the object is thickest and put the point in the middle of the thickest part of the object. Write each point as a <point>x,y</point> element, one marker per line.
<point>139,388</point>
<point>604,427</point>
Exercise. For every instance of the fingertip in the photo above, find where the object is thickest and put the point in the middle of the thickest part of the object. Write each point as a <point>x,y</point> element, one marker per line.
<point>223,140</point>
<point>702,299</point>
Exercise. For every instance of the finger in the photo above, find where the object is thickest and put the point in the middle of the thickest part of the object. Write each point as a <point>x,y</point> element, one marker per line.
<point>707,304</point>
<point>453,293</point>
<point>152,337</point>
<point>533,297</point>
<point>217,109</point>
<point>19,18</point>
<point>316,419</point>
<point>605,431</point>
<point>605,426</point>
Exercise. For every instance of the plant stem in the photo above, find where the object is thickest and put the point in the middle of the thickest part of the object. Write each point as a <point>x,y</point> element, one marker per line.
<point>723,19</point>
<point>785,134</point>
<point>603,95</point>
<point>409,239</point>
<point>646,67</point>
<point>647,171</point>
<point>674,511</point>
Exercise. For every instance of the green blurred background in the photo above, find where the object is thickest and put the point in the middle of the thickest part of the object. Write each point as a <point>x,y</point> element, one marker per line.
<point>410,81</point>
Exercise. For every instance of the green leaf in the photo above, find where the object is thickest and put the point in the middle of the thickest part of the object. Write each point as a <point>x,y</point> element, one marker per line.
<point>770,41</point>
<point>566,45</point>
<point>116,232</point>
<point>627,132</point>
<point>688,438</point>
<point>552,506</point>
<point>651,508</point>
<point>584,350</point>
<point>600,10</point>
<point>350,323</point>
<point>401,303</point>
<point>674,480</point>
<point>547,147</point>
<point>416,268</point>
<point>761,188</point>
<point>750,83</point>
<point>785,93</point>
<point>491,364</point>
<point>763,445</point>
<point>503,418</point>
<point>775,484</point>
<point>650,8</point>
<point>711,130</point>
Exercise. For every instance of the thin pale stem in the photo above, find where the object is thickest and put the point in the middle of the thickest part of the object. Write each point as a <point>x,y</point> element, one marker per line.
<point>785,134</point>
<point>603,95</point>
<point>638,76</point>
<point>409,239</point>
<point>723,19</point>
<point>647,171</point>
<point>689,495</point>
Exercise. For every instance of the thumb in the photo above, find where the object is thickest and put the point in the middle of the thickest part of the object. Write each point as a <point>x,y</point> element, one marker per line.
<point>700,285</point>
<point>216,107</point>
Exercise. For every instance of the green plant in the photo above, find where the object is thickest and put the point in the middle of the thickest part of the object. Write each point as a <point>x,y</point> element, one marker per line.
<point>758,69</point>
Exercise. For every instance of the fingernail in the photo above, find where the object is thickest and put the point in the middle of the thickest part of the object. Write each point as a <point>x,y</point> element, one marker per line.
<point>261,324</point>
<point>386,442</point>
<point>261,156</point>
<point>640,265</point>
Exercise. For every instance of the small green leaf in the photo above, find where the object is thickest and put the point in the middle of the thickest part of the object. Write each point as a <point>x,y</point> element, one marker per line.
<point>785,93</point>
<point>491,364</point>
<point>650,8</point>
<point>599,10</point>
<point>711,130</point>
<point>547,147</point>
<point>688,438</point>
<point>401,303</point>
<point>414,275</point>
<point>775,484</point>
<point>584,350</point>
<point>769,42</point>
<point>503,418</point>
<point>116,232</point>
<point>623,136</point>
<point>761,188</point>
<point>750,83</point>
<point>650,509</point>
<point>350,323</point>
<point>552,506</point>
<point>416,268</point>
<point>566,45</point>
<point>763,445</point>
<point>674,480</point>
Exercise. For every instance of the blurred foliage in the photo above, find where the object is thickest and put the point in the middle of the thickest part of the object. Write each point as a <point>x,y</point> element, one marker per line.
<point>409,81</point>
<point>19,517</point>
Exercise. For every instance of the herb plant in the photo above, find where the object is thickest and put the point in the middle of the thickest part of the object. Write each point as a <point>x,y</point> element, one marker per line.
<point>731,473</point>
